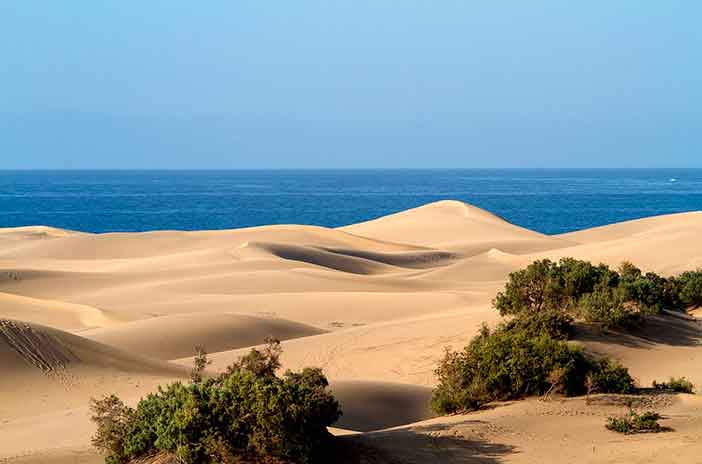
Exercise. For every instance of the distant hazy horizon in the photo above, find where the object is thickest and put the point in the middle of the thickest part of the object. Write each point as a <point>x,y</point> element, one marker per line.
<point>349,84</point>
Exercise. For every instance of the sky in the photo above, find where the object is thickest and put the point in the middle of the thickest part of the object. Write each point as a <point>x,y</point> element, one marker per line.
<point>242,84</point>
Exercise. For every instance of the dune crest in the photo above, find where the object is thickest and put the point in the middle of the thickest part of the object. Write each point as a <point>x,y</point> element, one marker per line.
<point>455,226</point>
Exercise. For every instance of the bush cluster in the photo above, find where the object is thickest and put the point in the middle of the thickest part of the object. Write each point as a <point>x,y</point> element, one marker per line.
<point>247,414</point>
<point>555,324</point>
<point>689,288</point>
<point>529,354</point>
<point>510,363</point>
<point>678,385</point>
<point>596,293</point>
<point>634,422</point>
<point>607,376</point>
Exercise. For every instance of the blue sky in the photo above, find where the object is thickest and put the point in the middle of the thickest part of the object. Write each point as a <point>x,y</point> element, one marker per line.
<point>344,84</point>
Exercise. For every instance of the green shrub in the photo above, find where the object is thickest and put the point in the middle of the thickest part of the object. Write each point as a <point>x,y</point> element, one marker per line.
<point>261,363</point>
<point>546,285</point>
<point>672,289</point>
<point>633,422</point>
<point>650,292</point>
<point>609,307</point>
<point>607,376</point>
<point>597,293</point>
<point>628,272</point>
<point>679,385</point>
<point>114,420</point>
<point>509,364</point>
<point>581,277</point>
<point>537,287</point>
<point>528,355</point>
<point>555,324</point>
<point>691,288</point>
<point>199,364</point>
<point>248,414</point>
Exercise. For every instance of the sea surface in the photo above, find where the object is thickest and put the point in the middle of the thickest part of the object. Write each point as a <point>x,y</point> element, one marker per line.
<point>550,201</point>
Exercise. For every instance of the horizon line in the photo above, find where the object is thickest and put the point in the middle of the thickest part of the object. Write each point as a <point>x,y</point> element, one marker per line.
<point>127,169</point>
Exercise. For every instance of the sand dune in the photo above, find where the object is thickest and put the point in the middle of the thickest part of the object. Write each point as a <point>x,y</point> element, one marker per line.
<point>669,342</point>
<point>17,239</point>
<point>536,431</point>
<point>373,304</point>
<point>176,336</point>
<point>637,227</point>
<point>454,226</point>
<point>55,313</point>
<point>45,369</point>
<point>25,346</point>
<point>57,244</point>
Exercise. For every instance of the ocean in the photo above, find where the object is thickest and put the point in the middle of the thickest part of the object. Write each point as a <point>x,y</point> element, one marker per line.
<point>550,201</point>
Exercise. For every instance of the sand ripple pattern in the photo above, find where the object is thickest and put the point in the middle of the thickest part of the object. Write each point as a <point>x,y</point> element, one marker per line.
<point>37,348</point>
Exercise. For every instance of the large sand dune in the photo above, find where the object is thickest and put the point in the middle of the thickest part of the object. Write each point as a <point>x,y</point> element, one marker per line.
<point>374,304</point>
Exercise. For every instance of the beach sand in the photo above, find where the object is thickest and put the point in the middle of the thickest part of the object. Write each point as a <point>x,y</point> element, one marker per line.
<point>373,304</point>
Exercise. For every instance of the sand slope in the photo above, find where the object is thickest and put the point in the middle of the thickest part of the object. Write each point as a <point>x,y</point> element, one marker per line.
<point>456,226</point>
<point>176,336</point>
<point>373,304</point>
<point>560,431</point>
<point>45,369</point>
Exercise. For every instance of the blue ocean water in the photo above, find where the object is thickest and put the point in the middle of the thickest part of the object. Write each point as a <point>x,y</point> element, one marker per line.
<point>550,201</point>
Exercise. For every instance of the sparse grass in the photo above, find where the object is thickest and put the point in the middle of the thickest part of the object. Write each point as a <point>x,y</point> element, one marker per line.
<point>199,364</point>
<point>634,422</point>
<point>678,385</point>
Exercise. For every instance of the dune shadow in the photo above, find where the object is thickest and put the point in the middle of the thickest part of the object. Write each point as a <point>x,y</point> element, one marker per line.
<point>372,406</point>
<point>657,330</point>
<point>419,259</point>
<point>429,444</point>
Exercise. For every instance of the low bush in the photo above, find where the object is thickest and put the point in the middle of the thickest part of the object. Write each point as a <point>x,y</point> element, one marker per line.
<point>537,287</point>
<point>633,422</point>
<point>508,363</point>
<point>608,376</point>
<point>247,414</point>
<point>691,288</point>
<point>555,324</point>
<point>200,362</point>
<point>610,308</point>
<point>114,421</point>
<point>596,293</point>
<point>529,355</point>
<point>678,385</point>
